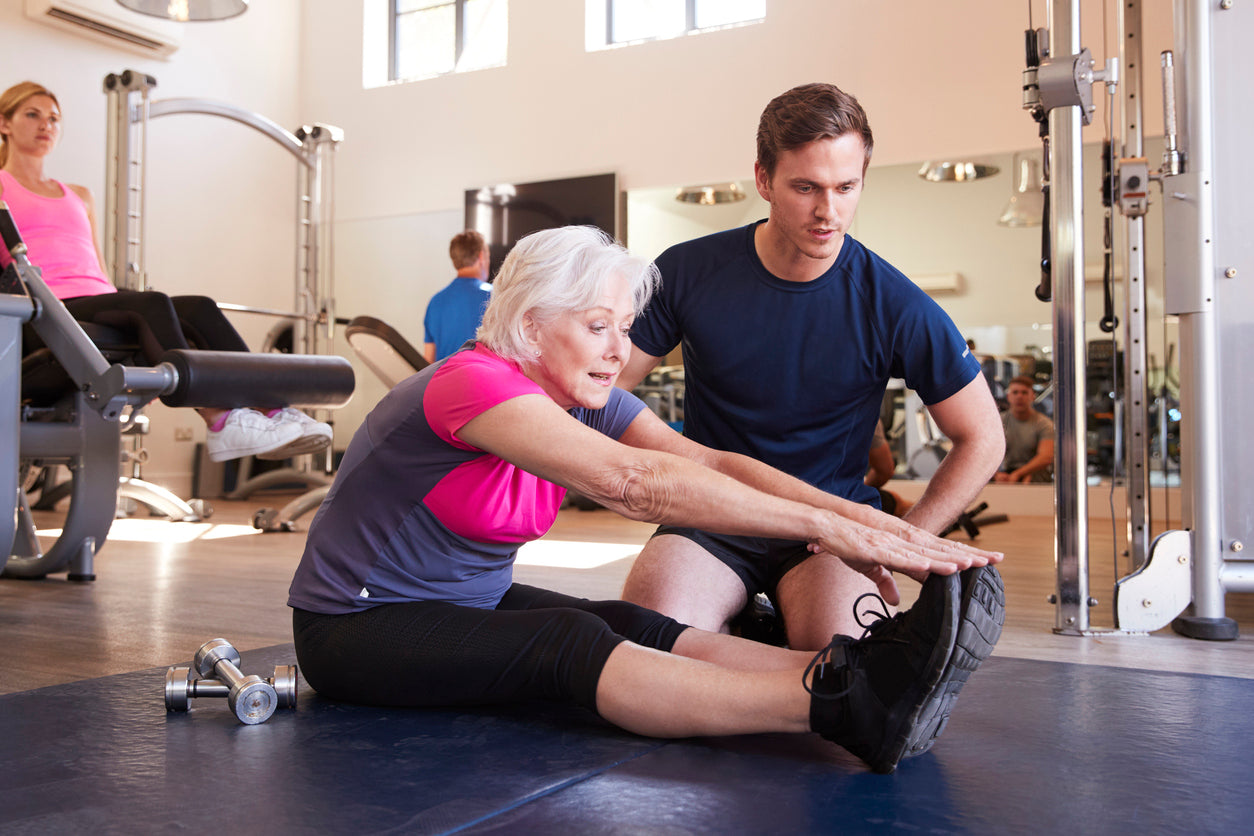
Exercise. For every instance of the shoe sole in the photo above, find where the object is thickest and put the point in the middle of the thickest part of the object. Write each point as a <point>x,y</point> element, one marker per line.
<point>299,447</point>
<point>908,721</point>
<point>983,612</point>
<point>241,452</point>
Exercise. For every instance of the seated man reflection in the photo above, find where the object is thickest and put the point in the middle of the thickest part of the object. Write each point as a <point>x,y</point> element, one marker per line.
<point>1029,437</point>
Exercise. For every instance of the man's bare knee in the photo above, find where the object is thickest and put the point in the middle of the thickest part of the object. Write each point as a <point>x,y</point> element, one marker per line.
<point>674,576</point>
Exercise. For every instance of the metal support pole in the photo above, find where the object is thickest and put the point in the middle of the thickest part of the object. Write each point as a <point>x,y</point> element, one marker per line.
<point>1189,215</point>
<point>1136,405</point>
<point>1066,220</point>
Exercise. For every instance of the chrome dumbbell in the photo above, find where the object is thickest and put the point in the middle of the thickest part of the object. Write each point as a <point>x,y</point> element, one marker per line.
<point>182,686</point>
<point>252,699</point>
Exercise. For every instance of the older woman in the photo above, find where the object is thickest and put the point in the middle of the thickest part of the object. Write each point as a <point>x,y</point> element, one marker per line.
<point>404,595</point>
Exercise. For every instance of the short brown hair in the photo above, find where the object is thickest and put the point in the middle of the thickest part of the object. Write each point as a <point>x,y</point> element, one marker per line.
<point>1023,380</point>
<point>806,113</point>
<point>465,248</point>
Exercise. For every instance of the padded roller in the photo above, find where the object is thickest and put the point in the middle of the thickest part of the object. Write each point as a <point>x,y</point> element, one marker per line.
<point>226,379</point>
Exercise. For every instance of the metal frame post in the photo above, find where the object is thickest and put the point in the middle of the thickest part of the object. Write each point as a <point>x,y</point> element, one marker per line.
<point>1066,219</point>
<point>1135,382</point>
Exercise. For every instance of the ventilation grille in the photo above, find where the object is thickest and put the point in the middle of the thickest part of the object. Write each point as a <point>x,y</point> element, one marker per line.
<point>105,29</point>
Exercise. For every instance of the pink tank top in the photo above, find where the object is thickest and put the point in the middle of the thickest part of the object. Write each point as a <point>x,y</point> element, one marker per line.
<point>58,239</point>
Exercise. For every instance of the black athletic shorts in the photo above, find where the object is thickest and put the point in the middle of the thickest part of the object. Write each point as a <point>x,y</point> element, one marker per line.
<point>535,645</point>
<point>759,562</point>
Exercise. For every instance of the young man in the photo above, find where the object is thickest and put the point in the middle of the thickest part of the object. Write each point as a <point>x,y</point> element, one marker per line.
<point>1029,437</point>
<point>791,330</point>
<point>453,314</point>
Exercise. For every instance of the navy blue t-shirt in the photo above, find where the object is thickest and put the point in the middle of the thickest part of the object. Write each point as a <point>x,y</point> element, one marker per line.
<point>793,373</point>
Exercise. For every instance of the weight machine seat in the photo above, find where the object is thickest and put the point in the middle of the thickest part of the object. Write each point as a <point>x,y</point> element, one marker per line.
<point>384,351</point>
<point>45,381</point>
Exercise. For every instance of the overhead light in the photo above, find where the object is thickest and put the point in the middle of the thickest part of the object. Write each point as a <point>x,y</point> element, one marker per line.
<point>1027,202</point>
<point>187,10</point>
<point>955,172</point>
<point>711,195</point>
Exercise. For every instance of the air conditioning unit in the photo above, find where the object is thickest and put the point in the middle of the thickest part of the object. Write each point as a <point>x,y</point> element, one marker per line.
<point>108,22</point>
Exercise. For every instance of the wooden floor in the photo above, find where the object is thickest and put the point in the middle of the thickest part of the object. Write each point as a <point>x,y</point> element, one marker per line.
<point>165,588</point>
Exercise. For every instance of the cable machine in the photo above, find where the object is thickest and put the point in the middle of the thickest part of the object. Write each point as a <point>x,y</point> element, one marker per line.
<point>313,321</point>
<point>1204,179</point>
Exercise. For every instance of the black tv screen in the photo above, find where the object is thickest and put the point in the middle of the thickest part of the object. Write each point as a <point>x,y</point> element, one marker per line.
<point>505,212</point>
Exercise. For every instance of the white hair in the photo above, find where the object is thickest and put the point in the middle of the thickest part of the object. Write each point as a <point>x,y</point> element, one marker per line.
<point>554,272</point>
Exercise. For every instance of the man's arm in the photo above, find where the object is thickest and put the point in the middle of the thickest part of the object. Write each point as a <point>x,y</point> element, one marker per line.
<point>428,352</point>
<point>1044,458</point>
<point>637,367</point>
<point>970,420</point>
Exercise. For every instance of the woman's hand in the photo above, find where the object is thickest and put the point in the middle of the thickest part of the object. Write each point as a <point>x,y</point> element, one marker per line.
<point>877,552</point>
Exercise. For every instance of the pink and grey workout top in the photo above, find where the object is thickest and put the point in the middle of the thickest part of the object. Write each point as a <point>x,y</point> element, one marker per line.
<point>417,514</point>
<point>58,239</point>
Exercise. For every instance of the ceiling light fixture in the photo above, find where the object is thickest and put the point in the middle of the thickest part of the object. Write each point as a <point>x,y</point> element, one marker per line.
<point>711,195</point>
<point>184,11</point>
<point>955,172</point>
<point>1027,202</point>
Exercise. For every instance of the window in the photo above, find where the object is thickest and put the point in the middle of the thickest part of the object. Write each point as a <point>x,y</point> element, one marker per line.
<point>628,21</point>
<point>427,38</point>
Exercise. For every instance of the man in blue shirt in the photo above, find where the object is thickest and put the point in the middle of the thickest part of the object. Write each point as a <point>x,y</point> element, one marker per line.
<point>453,314</point>
<point>790,331</point>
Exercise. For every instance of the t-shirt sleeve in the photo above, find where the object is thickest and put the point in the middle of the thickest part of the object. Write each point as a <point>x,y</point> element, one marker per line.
<point>1044,429</point>
<point>613,418</point>
<point>460,391</point>
<point>932,356</point>
<point>656,331</point>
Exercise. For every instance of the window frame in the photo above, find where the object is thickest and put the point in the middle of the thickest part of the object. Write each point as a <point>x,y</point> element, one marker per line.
<point>690,24</point>
<point>459,35</point>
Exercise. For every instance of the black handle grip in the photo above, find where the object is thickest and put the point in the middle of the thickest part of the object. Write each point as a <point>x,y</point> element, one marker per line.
<point>8,229</point>
<point>1045,290</point>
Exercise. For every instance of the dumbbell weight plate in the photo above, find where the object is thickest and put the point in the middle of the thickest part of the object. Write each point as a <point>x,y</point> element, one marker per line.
<point>209,654</point>
<point>284,683</point>
<point>178,689</point>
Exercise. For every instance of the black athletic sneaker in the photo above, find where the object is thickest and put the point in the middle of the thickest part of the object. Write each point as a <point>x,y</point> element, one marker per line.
<point>983,612</point>
<point>880,714</point>
<point>869,694</point>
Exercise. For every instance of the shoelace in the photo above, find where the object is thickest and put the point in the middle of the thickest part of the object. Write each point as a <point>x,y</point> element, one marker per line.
<point>872,617</point>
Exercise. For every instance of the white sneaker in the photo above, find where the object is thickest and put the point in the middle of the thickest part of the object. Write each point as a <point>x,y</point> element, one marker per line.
<point>314,435</point>
<point>249,433</point>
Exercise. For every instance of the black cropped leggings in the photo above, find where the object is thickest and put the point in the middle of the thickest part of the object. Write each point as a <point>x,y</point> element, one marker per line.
<point>160,322</point>
<point>535,645</point>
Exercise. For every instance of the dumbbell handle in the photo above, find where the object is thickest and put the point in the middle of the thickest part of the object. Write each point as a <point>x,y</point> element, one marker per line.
<point>284,686</point>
